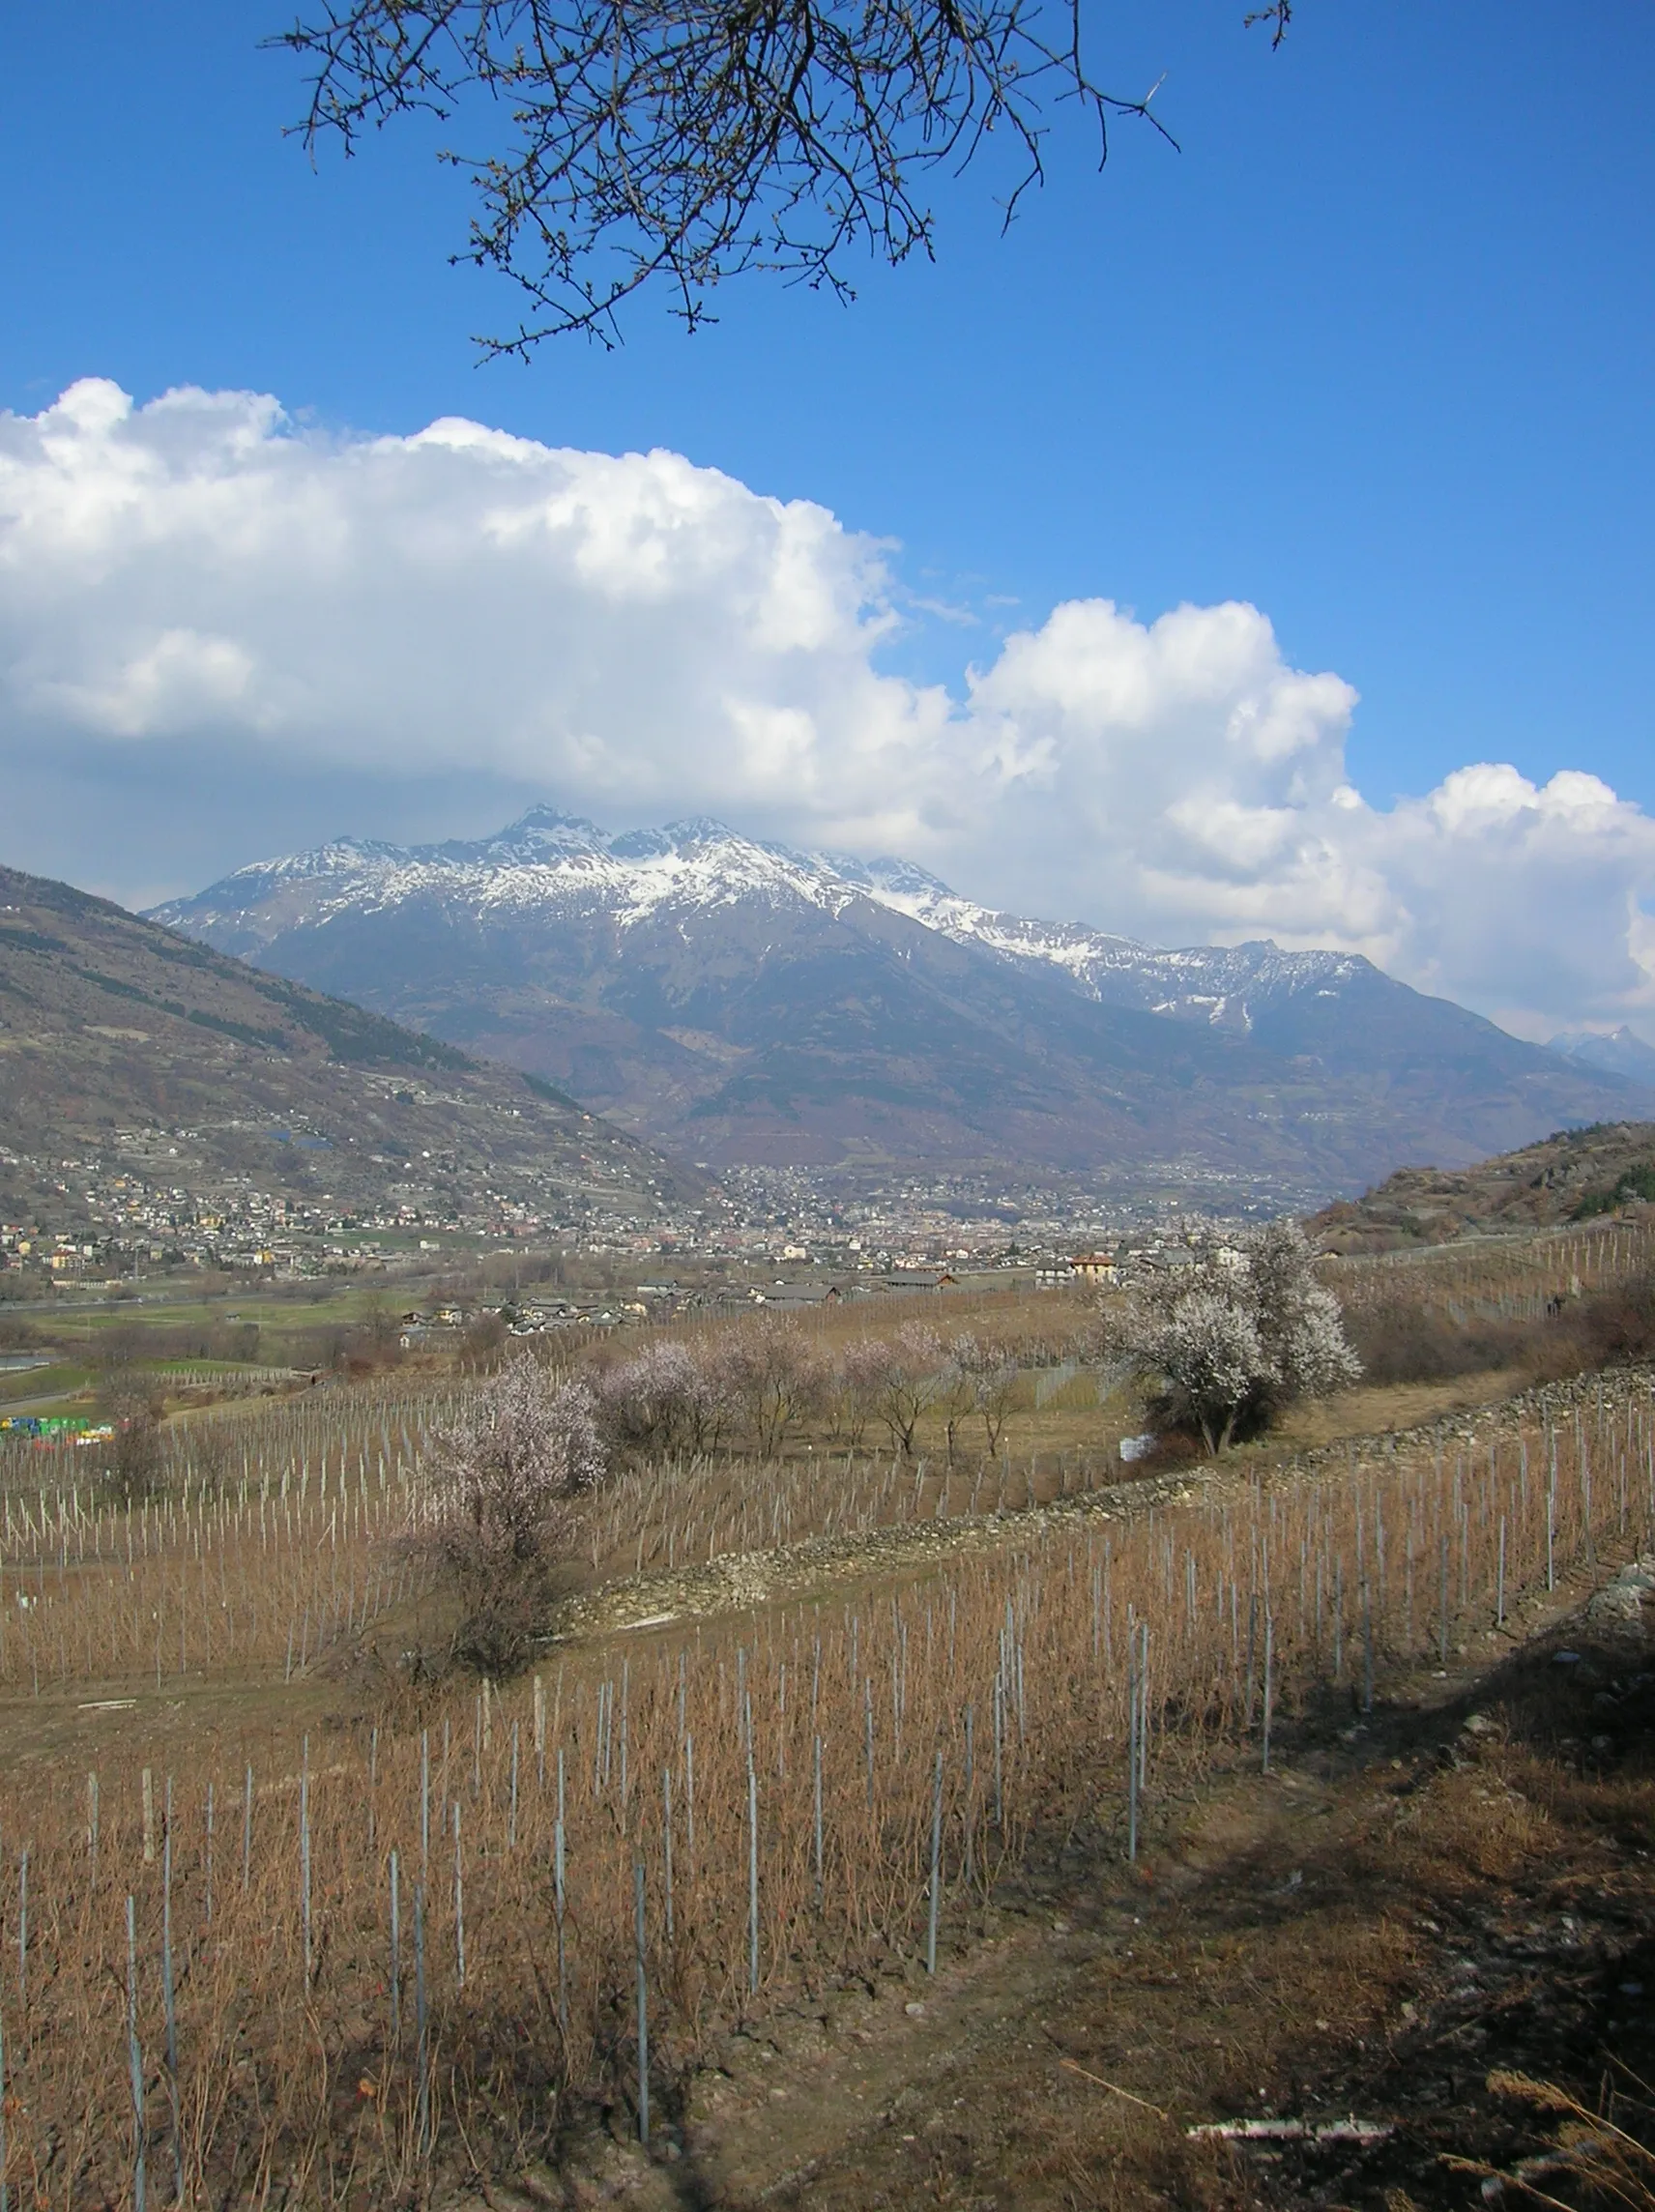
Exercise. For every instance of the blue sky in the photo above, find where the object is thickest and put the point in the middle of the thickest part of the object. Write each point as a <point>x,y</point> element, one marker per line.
<point>1371,352</point>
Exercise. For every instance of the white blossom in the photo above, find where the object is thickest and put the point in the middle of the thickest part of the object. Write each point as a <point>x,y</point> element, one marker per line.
<point>1237,1335</point>
<point>502,1480</point>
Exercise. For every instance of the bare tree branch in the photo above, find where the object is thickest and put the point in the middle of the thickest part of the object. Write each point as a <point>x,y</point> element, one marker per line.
<point>1280,14</point>
<point>693,140</point>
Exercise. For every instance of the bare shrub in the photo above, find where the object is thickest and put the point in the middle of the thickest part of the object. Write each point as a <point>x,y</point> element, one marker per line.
<point>1420,1339</point>
<point>127,1396</point>
<point>482,1346</point>
<point>853,1389</point>
<point>133,1470</point>
<point>980,1377</point>
<point>906,1381</point>
<point>213,1461</point>
<point>1617,1326</point>
<point>953,1390</point>
<point>499,1509</point>
<point>1399,1340</point>
<point>774,1380</point>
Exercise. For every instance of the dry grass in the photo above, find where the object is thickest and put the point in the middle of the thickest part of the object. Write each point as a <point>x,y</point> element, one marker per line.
<point>1592,2159</point>
<point>1349,1572</point>
<point>302,2071</point>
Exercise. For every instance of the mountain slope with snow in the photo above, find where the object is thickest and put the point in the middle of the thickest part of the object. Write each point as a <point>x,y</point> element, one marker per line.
<point>743,1001</point>
<point>1618,1053</point>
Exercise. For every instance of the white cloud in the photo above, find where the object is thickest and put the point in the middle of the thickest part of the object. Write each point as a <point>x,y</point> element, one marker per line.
<point>181,681</point>
<point>638,637</point>
<point>1208,779</point>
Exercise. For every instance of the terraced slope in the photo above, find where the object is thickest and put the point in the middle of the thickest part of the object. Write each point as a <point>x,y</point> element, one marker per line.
<point>121,1039</point>
<point>1572,1175</point>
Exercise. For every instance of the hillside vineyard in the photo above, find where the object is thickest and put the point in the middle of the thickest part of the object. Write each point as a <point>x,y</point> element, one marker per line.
<point>225,1974</point>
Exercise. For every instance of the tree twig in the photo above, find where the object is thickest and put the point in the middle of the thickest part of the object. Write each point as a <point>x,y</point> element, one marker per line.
<point>1114,2088</point>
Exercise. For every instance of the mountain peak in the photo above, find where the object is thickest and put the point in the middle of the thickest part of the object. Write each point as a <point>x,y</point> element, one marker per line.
<point>338,856</point>
<point>744,1000</point>
<point>702,829</point>
<point>899,879</point>
<point>541,830</point>
<point>1617,1052</point>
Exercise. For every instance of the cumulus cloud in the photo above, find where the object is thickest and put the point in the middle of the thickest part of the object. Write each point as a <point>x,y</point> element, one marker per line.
<point>638,638</point>
<point>1207,780</point>
<point>634,631</point>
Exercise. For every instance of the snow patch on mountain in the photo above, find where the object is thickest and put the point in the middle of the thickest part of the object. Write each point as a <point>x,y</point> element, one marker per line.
<point>1617,1052</point>
<point>1210,982</point>
<point>544,862</point>
<point>562,865</point>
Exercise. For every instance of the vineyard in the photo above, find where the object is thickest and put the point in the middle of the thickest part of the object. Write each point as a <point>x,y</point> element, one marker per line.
<point>312,1981</point>
<point>1507,1277</point>
<point>243,1961</point>
<point>266,1542</point>
<point>270,1570</point>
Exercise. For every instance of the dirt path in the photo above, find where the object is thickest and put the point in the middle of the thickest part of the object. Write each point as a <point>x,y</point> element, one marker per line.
<point>1465,1882</point>
<point>741,1582</point>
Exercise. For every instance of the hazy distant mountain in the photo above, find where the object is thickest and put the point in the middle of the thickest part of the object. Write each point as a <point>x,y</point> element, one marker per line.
<point>741,1002</point>
<point>1619,1052</point>
<point>122,1041</point>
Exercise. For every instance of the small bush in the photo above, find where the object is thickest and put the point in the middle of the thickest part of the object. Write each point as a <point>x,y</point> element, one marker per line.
<point>1399,1342</point>
<point>133,1470</point>
<point>498,1511</point>
<point>1637,1183</point>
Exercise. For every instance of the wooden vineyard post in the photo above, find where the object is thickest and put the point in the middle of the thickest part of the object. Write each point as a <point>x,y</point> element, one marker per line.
<point>1131,1744</point>
<point>752,1878</point>
<point>304,1855</point>
<point>558,1902</point>
<point>936,1868</point>
<point>396,1952</point>
<point>643,2004</point>
<point>421,2030</point>
<point>135,2061</point>
<point>816,1819</point>
<point>1269,1687</point>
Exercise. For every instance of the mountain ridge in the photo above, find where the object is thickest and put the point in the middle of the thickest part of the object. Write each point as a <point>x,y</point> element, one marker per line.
<point>1615,1052</point>
<point>741,1000</point>
<point>123,1039</point>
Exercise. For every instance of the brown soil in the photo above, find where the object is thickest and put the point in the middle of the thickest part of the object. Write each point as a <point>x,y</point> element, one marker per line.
<point>1462,1882</point>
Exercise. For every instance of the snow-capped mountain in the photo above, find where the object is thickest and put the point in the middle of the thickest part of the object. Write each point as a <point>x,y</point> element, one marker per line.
<point>552,864</point>
<point>1616,1052</point>
<point>1209,983</point>
<point>544,863</point>
<point>742,1000</point>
